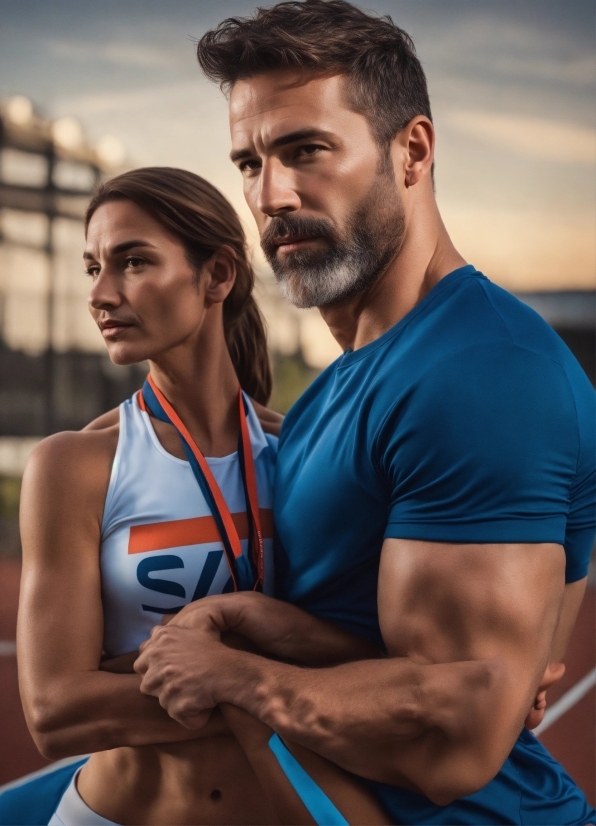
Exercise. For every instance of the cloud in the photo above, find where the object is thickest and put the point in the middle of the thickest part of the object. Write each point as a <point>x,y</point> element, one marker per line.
<point>550,140</point>
<point>117,53</point>
<point>182,124</point>
<point>509,51</point>
<point>575,71</point>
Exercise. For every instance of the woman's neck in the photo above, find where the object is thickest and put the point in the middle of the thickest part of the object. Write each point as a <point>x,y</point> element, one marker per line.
<point>199,381</point>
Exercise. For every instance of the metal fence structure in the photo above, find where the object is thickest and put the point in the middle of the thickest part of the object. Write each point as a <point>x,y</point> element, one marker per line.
<point>53,374</point>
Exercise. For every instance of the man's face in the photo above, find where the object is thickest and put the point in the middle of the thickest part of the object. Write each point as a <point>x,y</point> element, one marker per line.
<point>322,191</point>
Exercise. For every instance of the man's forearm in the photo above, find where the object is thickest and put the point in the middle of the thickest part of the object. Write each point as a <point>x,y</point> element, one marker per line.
<point>365,716</point>
<point>391,719</point>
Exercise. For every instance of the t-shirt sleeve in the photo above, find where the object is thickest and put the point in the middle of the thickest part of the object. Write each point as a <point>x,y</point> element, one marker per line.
<point>579,535</point>
<point>485,447</point>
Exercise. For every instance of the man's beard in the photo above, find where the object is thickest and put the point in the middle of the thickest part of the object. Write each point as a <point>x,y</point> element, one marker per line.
<point>351,263</point>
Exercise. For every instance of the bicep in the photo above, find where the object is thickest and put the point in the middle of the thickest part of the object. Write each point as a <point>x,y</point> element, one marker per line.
<point>60,623</point>
<point>440,602</point>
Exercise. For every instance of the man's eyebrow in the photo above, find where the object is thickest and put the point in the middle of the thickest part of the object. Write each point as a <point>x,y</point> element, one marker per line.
<point>283,140</point>
<point>120,248</point>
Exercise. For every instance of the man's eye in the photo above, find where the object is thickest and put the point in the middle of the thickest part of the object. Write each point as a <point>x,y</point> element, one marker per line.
<point>249,166</point>
<point>308,149</point>
<point>92,271</point>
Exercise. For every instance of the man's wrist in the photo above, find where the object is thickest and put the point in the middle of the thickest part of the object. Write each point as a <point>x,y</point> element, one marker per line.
<point>252,683</point>
<point>240,677</point>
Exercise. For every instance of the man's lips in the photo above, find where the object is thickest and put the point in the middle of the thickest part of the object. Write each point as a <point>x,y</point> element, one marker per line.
<point>294,242</point>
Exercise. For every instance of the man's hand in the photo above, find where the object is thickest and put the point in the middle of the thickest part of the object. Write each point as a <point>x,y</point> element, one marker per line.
<point>182,667</point>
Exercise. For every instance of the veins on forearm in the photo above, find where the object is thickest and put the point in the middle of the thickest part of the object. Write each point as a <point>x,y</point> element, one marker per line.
<point>342,703</point>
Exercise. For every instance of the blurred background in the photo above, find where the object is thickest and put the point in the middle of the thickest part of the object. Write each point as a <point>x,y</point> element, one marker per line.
<point>90,89</point>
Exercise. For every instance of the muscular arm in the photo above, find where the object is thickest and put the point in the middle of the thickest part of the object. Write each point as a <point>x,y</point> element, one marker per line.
<point>70,706</point>
<point>469,630</point>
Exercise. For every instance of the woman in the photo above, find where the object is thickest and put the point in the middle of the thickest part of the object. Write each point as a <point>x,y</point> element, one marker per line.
<point>126,522</point>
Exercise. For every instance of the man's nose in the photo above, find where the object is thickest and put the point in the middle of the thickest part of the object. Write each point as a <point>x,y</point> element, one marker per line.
<point>105,292</point>
<point>277,192</point>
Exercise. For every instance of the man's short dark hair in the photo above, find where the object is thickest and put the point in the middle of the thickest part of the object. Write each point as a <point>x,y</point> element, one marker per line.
<point>386,81</point>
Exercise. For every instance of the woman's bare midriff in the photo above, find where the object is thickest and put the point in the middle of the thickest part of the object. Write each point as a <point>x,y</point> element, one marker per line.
<point>206,781</point>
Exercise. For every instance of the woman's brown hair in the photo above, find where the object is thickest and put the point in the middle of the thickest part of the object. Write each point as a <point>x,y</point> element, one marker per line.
<point>203,220</point>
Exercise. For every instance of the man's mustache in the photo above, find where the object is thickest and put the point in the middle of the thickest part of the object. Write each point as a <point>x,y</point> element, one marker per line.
<point>294,226</point>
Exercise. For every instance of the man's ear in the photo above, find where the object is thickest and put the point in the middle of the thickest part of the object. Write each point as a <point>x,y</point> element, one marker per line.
<point>219,275</point>
<point>553,673</point>
<point>414,150</point>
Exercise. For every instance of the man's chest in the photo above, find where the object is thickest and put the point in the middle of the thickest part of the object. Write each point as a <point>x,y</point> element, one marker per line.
<point>330,500</point>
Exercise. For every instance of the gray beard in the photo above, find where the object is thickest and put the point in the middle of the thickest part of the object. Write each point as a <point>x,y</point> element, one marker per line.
<point>352,264</point>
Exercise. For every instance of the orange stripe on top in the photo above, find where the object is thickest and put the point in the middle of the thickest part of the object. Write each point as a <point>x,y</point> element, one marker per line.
<point>202,529</point>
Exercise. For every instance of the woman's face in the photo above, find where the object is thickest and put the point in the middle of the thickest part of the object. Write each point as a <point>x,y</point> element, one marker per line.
<point>144,295</point>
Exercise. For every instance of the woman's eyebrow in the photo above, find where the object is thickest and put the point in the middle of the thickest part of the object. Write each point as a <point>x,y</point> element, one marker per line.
<point>123,247</point>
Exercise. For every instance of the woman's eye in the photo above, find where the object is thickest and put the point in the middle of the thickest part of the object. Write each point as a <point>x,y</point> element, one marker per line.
<point>134,263</point>
<point>92,271</point>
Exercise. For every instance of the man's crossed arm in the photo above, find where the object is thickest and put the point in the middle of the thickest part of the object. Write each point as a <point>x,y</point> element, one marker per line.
<point>468,630</point>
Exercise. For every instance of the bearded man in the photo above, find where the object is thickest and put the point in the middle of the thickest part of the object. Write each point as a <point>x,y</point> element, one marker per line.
<point>435,485</point>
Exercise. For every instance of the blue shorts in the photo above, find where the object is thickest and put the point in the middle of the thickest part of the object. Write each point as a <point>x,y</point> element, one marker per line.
<point>33,800</point>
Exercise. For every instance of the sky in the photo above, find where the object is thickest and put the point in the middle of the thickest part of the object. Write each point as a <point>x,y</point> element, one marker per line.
<point>511,83</point>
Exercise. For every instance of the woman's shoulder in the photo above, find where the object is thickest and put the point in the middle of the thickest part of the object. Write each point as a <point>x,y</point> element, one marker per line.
<point>76,456</point>
<point>105,421</point>
<point>271,421</point>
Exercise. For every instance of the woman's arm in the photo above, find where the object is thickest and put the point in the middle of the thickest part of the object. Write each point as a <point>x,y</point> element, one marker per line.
<point>278,629</point>
<point>71,707</point>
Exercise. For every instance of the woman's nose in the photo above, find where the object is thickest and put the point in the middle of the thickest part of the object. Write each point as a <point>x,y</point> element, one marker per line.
<point>105,292</point>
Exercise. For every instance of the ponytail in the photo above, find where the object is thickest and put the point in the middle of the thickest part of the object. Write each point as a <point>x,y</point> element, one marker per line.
<point>245,334</point>
<point>203,220</point>
<point>247,343</point>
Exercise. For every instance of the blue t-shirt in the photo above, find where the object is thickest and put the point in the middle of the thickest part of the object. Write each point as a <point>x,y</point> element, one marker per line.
<point>468,421</point>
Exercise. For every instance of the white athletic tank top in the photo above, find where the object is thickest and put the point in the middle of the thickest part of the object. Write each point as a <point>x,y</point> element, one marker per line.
<point>160,547</point>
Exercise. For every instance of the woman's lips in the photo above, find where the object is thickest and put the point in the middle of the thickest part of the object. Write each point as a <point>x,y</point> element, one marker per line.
<point>115,330</point>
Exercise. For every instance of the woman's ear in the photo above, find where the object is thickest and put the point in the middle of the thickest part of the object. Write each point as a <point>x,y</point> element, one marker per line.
<point>219,275</point>
<point>553,673</point>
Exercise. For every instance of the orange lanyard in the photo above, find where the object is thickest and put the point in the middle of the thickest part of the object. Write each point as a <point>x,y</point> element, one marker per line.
<point>247,574</point>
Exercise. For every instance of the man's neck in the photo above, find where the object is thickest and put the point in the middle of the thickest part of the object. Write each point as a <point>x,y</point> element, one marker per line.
<point>427,255</point>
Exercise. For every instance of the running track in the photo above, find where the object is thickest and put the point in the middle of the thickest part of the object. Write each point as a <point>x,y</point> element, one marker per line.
<point>571,738</point>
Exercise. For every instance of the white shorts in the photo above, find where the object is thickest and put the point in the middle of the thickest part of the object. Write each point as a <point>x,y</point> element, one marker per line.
<point>73,811</point>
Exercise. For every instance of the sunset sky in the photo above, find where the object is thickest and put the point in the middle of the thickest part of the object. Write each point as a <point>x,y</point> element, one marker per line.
<point>511,84</point>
